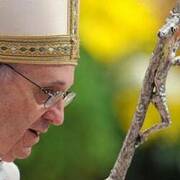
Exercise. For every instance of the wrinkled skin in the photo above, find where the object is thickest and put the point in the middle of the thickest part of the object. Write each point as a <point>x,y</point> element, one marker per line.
<point>21,106</point>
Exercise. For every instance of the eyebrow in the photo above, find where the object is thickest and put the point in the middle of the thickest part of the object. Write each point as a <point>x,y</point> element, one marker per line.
<point>61,83</point>
<point>58,83</point>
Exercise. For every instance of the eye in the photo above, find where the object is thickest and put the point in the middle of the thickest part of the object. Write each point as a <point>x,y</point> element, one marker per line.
<point>47,90</point>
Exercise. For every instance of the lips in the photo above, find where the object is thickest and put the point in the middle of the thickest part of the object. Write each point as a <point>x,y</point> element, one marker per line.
<point>30,138</point>
<point>37,133</point>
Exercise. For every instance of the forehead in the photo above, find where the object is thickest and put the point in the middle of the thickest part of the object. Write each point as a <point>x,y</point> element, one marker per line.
<point>61,75</point>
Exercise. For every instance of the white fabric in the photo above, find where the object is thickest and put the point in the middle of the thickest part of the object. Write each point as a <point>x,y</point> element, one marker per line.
<point>9,171</point>
<point>33,17</point>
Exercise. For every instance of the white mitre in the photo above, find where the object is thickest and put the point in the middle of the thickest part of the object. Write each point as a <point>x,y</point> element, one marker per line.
<point>9,171</point>
<point>39,31</point>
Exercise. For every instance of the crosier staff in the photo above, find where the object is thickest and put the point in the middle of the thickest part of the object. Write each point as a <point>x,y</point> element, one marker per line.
<point>153,91</point>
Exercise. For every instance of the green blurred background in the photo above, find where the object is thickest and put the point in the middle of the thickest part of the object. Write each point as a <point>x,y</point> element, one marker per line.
<point>117,39</point>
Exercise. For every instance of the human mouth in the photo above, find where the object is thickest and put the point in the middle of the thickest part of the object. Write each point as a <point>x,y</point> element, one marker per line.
<point>31,137</point>
<point>37,133</point>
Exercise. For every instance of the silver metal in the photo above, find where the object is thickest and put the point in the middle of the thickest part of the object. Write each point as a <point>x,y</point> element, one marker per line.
<point>153,91</point>
<point>67,97</point>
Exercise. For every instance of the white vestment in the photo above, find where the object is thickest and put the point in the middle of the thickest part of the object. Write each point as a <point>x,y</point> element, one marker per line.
<point>9,171</point>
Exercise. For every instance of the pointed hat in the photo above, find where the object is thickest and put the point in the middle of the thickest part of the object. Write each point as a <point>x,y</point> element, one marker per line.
<point>39,31</point>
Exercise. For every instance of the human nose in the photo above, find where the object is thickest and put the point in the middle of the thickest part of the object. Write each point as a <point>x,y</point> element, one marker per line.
<point>55,114</point>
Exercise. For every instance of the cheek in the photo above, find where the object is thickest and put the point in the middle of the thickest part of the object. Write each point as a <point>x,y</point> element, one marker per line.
<point>21,117</point>
<point>25,109</point>
<point>19,110</point>
<point>17,115</point>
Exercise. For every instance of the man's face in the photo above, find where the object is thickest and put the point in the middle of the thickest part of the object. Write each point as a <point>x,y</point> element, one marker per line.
<point>23,116</point>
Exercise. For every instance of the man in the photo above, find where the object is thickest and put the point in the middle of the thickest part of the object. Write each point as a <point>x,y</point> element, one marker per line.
<point>38,55</point>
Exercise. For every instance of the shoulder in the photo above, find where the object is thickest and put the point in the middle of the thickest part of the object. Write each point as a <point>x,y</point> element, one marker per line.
<point>9,171</point>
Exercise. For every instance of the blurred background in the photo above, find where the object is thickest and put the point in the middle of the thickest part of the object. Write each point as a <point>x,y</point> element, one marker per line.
<point>117,40</point>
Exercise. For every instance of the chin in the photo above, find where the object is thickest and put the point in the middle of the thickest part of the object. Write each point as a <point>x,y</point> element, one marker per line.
<point>8,159</point>
<point>20,154</point>
<point>24,153</point>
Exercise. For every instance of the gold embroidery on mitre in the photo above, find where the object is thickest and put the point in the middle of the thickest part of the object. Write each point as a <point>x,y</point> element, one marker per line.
<point>56,49</point>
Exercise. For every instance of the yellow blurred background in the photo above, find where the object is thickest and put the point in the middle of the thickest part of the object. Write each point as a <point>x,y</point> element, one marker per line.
<point>114,31</point>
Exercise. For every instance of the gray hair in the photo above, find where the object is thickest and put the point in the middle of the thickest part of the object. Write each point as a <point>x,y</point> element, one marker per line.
<point>5,73</point>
